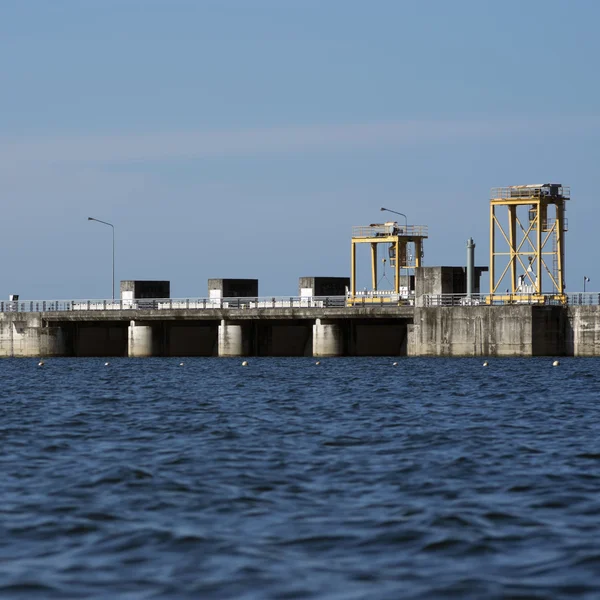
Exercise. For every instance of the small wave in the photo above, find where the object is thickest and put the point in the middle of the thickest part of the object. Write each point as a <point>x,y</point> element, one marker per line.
<point>55,447</point>
<point>345,441</point>
<point>520,488</point>
<point>100,516</point>
<point>320,541</point>
<point>589,455</point>
<point>500,517</point>
<point>30,588</point>
<point>590,560</point>
<point>121,475</point>
<point>395,537</point>
<point>445,544</point>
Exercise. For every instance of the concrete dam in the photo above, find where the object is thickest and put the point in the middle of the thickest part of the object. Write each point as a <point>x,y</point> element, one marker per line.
<point>425,311</point>
<point>449,324</point>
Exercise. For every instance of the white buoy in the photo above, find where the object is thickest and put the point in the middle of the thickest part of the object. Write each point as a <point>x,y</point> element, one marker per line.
<point>181,364</point>
<point>318,362</point>
<point>41,363</point>
<point>107,364</point>
<point>485,363</point>
<point>556,363</point>
<point>394,364</point>
<point>245,363</point>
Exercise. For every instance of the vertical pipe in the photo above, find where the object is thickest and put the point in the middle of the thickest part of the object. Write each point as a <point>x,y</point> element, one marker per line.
<point>113,263</point>
<point>492,250</point>
<point>353,271</point>
<point>418,251</point>
<point>470,266</point>
<point>374,265</point>
<point>512,231</point>
<point>538,244</point>
<point>397,267</point>
<point>560,249</point>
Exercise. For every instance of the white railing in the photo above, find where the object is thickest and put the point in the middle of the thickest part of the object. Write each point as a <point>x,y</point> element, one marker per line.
<point>389,229</point>
<point>383,299</point>
<point>579,299</point>
<point>542,190</point>
<point>452,300</point>
<point>174,304</point>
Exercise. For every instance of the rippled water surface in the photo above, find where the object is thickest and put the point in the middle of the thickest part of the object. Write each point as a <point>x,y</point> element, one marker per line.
<point>284,479</point>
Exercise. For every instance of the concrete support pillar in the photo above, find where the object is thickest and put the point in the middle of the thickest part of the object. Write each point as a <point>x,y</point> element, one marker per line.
<point>233,339</point>
<point>328,338</point>
<point>140,342</point>
<point>53,342</point>
<point>28,335</point>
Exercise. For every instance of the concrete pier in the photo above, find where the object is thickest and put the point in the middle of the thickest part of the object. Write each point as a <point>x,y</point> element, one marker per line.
<point>140,340</point>
<point>233,339</point>
<point>28,335</point>
<point>583,327</point>
<point>328,338</point>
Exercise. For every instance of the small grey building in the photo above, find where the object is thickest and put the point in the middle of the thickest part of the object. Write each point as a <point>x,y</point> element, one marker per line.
<point>232,288</point>
<point>134,289</point>
<point>323,286</point>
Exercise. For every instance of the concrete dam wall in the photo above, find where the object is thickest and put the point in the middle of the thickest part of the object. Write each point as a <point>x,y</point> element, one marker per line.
<point>271,332</point>
<point>504,330</point>
<point>508,330</point>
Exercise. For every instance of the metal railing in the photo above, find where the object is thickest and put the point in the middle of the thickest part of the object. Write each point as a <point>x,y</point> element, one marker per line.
<point>285,302</point>
<point>579,299</point>
<point>531,191</point>
<point>584,299</point>
<point>383,230</point>
<point>174,304</point>
<point>452,300</point>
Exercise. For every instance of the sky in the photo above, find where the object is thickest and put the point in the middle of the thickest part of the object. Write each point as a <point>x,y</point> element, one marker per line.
<point>245,138</point>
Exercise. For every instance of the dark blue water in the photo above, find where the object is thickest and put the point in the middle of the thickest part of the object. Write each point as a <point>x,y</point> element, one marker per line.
<point>284,479</point>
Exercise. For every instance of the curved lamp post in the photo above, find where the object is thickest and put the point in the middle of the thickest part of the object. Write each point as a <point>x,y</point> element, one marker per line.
<point>113,250</point>
<point>398,213</point>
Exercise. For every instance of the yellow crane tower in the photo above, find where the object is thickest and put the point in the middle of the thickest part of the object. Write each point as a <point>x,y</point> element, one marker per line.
<point>405,250</point>
<point>527,249</point>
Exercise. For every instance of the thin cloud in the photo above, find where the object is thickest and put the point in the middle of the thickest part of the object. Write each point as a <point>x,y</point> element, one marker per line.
<point>251,142</point>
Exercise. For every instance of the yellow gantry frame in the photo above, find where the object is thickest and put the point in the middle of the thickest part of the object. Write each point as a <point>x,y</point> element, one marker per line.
<point>531,246</point>
<point>399,244</point>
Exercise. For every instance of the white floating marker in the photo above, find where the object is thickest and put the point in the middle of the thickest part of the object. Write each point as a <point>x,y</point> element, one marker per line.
<point>318,362</point>
<point>485,363</point>
<point>41,363</point>
<point>556,363</point>
<point>245,363</point>
<point>394,364</point>
<point>181,364</point>
<point>107,364</point>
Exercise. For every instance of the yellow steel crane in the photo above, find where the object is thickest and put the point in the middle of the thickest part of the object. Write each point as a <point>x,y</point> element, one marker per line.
<point>405,250</point>
<point>527,243</point>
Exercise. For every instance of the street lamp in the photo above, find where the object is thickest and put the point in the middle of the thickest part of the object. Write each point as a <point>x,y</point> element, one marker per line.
<point>397,257</point>
<point>398,213</point>
<point>113,251</point>
<point>585,280</point>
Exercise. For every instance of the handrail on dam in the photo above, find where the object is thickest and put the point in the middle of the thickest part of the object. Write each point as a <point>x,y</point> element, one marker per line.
<point>172,304</point>
<point>287,302</point>
<point>270,302</point>
<point>578,299</point>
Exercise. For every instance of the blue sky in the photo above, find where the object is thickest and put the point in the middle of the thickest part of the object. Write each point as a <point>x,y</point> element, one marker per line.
<point>245,138</point>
